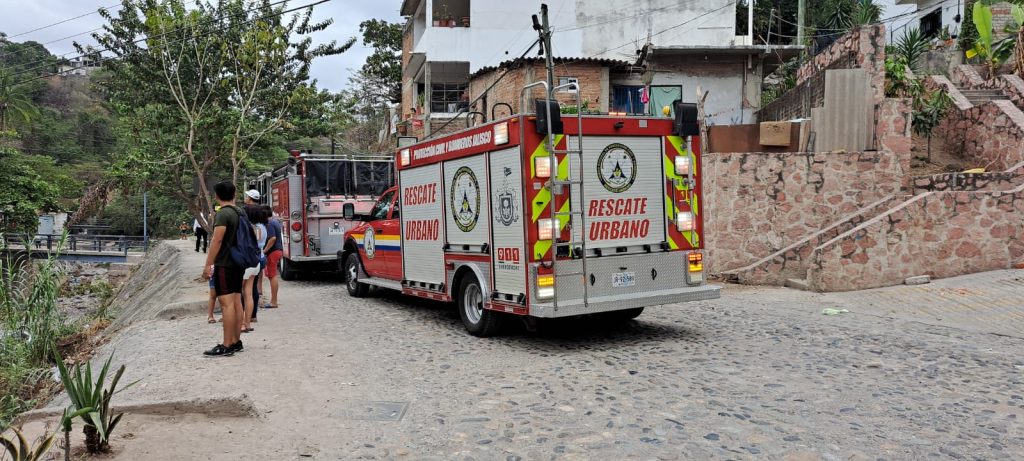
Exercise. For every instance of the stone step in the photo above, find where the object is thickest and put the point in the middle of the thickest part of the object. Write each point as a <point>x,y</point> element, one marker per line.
<point>798,284</point>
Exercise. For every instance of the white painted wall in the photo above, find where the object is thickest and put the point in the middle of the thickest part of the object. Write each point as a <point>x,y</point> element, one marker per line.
<point>906,16</point>
<point>724,85</point>
<point>501,30</point>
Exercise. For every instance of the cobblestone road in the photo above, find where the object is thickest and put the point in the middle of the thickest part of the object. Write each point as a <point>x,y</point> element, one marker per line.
<point>758,374</point>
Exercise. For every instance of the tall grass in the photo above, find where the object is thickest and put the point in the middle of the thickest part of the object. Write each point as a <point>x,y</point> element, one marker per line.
<point>30,327</point>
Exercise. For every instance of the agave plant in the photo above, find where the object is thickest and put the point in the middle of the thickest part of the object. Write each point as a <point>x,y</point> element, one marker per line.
<point>19,449</point>
<point>92,402</point>
<point>910,47</point>
<point>65,422</point>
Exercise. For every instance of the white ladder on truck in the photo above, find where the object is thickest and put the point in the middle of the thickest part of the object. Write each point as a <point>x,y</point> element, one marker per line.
<point>575,249</point>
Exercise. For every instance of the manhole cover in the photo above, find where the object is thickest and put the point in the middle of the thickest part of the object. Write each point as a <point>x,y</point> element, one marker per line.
<point>375,411</point>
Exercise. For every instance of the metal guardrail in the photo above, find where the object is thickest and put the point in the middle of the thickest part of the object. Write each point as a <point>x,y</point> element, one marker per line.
<point>122,244</point>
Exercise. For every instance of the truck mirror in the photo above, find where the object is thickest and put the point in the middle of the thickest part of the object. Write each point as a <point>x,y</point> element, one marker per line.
<point>542,106</point>
<point>349,211</point>
<point>686,119</point>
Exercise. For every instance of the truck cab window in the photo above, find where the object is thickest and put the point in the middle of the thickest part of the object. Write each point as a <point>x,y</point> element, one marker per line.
<point>396,209</point>
<point>381,208</point>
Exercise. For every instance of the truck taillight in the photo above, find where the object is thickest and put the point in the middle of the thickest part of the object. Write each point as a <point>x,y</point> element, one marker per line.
<point>542,167</point>
<point>405,159</point>
<point>296,226</point>
<point>695,262</point>
<point>545,286</point>
<point>684,221</point>
<point>546,229</point>
<point>501,134</point>
<point>682,165</point>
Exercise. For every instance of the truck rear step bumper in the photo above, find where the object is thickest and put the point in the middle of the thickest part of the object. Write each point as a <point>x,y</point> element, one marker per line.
<point>617,302</point>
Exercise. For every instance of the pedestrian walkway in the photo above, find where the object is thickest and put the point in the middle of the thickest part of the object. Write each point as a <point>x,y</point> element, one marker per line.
<point>989,302</point>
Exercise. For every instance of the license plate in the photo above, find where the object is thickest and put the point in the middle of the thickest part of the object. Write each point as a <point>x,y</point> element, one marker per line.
<point>623,279</point>
<point>336,231</point>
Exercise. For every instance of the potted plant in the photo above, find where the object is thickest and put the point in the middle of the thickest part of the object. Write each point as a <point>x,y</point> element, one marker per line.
<point>437,18</point>
<point>944,37</point>
<point>465,21</point>
<point>451,21</point>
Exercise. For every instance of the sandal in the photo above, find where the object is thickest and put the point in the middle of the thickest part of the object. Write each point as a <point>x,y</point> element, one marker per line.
<point>211,320</point>
<point>270,306</point>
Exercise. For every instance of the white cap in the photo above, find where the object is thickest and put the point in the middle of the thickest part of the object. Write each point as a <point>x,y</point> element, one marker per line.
<point>253,194</point>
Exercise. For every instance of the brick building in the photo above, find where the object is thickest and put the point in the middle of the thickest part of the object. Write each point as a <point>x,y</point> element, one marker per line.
<point>454,50</point>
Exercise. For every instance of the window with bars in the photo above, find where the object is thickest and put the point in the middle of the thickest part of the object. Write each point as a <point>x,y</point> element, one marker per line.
<point>449,97</point>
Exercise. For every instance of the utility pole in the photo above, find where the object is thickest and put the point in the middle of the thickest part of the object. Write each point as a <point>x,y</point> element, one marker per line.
<point>549,60</point>
<point>801,13</point>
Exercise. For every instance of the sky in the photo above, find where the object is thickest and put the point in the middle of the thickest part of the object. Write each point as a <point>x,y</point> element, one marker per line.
<point>21,16</point>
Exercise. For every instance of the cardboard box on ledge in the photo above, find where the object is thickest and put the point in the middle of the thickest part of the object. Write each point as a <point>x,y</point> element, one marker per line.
<point>775,133</point>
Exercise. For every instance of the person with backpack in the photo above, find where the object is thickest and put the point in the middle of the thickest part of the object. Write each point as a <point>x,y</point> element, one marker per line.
<point>232,250</point>
<point>250,296</point>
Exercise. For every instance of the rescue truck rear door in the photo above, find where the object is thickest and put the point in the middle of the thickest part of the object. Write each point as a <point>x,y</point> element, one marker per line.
<point>624,193</point>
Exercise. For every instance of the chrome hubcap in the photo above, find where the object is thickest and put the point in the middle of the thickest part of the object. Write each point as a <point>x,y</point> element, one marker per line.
<point>473,300</point>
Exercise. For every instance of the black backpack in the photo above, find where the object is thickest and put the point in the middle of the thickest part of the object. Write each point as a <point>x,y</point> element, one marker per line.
<point>245,253</point>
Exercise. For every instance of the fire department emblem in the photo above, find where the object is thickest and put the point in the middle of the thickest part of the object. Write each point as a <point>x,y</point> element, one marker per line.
<point>465,199</point>
<point>369,243</point>
<point>507,214</point>
<point>616,168</point>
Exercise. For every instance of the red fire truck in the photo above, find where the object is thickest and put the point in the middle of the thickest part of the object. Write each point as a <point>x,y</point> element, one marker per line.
<point>507,219</point>
<point>307,194</point>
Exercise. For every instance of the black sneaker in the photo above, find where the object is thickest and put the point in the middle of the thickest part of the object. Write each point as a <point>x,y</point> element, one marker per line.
<point>220,350</point>
<point>236,347</point>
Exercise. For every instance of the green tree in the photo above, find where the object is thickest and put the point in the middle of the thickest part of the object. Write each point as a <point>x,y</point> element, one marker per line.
<point>15,101</point>
<point>25,192</point>
<point>384,66</point>
<point>200,90</point>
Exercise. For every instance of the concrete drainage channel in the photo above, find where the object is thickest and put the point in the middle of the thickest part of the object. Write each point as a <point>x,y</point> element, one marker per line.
<point>231,407</point>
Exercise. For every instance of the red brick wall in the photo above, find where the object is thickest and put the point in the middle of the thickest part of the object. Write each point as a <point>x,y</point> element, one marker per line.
<point>589,75</point>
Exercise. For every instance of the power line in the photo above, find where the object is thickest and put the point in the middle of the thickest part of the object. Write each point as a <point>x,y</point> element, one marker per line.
<point>62,22</point>
<point>487,90</point>
<point>183,39</point>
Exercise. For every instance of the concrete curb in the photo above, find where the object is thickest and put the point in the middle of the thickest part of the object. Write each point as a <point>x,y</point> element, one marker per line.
<point>229,407</point>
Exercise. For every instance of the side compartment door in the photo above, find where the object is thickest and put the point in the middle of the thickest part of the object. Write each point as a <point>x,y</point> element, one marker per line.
<point>423,202</point>
<point>372,248</point>
<point>509,225</point>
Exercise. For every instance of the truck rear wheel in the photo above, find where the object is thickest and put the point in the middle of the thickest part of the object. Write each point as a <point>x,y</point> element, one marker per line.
<point>478,321</point>
<point>288,271</point>
<point>356,289</point>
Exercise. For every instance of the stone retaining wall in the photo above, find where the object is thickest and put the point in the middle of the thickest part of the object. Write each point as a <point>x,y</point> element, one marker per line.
<point>863,48</point>
<point>992,181</point>
<point>759,203</point>
<point>940,234</point>
<point>992,134</point>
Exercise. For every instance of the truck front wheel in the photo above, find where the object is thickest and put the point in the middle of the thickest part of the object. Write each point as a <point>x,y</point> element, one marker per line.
<point>356,289</point>
<point>478,321</point>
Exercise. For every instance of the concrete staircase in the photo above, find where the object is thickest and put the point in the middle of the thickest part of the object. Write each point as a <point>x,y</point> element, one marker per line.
<point>789,265</point>
<point>979,97</point>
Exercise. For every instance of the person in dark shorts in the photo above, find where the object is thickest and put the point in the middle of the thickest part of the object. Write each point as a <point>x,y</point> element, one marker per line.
<point>227,276</point>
